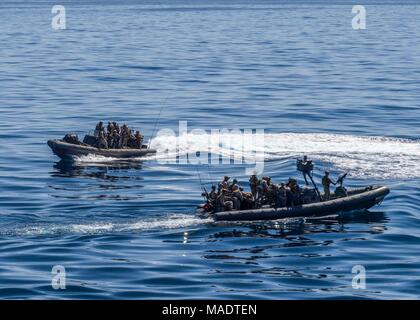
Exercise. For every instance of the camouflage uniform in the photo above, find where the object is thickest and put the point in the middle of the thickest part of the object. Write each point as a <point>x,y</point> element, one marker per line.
<point>326,182</point>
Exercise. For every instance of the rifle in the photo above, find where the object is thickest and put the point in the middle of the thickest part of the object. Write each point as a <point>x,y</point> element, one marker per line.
<point>205,192</point>
<point>340,179</point>
<point>156,123</point>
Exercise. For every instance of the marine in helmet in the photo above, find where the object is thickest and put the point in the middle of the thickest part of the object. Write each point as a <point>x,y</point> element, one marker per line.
<point>116,127</point>
<point>223,202</point>
<point>233,184</point>
<point>295,191</point>
<point>213,193</point>
<point>109,127</point>
<point>102,141</point>
<point>124,136</point>
<point>225,183</point>
<point>281,195</point>
<point>115,139</point>
<point>253,183</point>
<point>326,182</point>
<point>99,128</point>
<point>237,197</point>
<point>139,139</point>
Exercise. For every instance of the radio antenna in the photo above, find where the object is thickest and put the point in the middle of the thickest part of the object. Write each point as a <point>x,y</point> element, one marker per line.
<point>156,123</point>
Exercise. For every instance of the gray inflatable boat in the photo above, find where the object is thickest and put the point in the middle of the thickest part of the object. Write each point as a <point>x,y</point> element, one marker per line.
<point>67,150</point>
<point>357,199</point>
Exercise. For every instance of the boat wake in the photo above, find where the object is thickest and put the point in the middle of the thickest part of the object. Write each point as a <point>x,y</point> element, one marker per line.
<point>365,156</point>
<point>170,221</point>
<point>179,222</point>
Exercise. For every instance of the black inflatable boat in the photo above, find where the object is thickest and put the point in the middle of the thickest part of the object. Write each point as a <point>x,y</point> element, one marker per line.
<point>65,150</point>
<point>357,199</point>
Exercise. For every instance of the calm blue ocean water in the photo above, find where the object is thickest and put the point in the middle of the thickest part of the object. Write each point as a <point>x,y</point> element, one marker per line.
<point>350,99</point>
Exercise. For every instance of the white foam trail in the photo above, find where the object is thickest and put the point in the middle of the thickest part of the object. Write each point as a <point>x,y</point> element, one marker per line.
<point>174,221</point>
<point>366,156</point>
<point>92,158</point>
<point>171,221</point>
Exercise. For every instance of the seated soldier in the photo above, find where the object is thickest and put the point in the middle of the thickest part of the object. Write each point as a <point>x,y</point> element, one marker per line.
<point>116,127</point>
<point>110,139</point>
<point>99,128</point>
<point>281,196</point>
<point>213,193</point>
<point>211,198</point>
<point>265,181</point>
<point>71,138</point>
<point>223,202</point>
<point>262,190</point>
<point>139,139</point>
<point>224,184</point>
<point>110,127</point>
<point>233,184</point>
<point>272,194</point>
<point>102,141</point>
<point>295,191</point>
<point>131,143</point>
<point>247,201</point>
<point>115,139</point>
<point>237,197</point>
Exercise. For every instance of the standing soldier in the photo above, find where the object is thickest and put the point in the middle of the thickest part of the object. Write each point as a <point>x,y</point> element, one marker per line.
<point>124,136</point>
<point>253,182</point>
<point>260,193</point>
<point>326,182</point>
